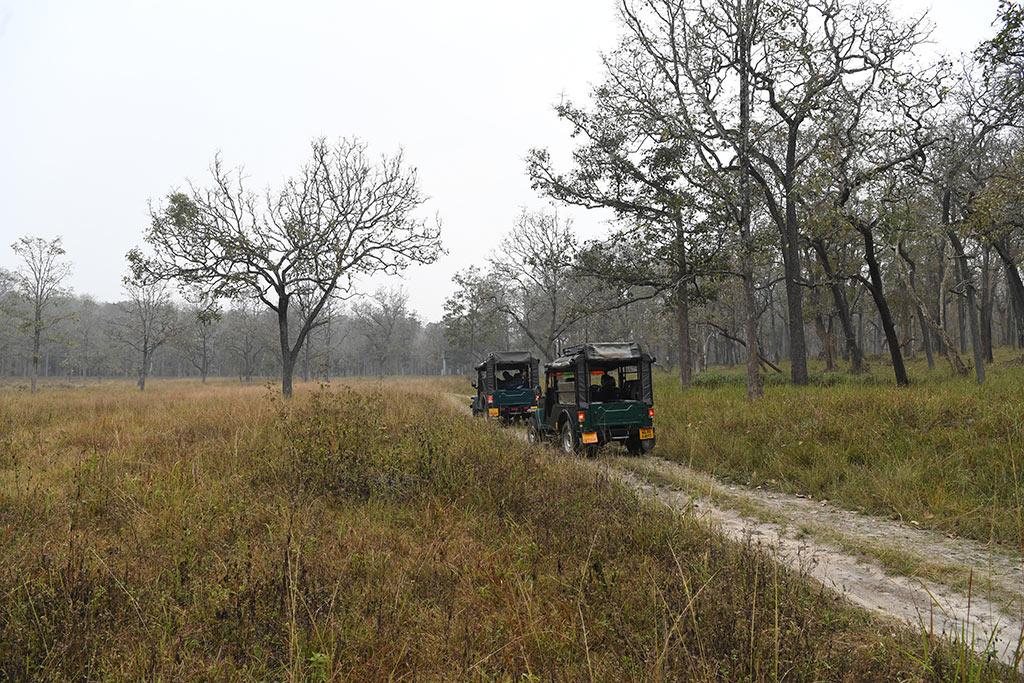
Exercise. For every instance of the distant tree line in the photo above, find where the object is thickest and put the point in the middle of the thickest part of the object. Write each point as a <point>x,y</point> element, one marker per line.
<point>49,333</point>
<point>787,179</point>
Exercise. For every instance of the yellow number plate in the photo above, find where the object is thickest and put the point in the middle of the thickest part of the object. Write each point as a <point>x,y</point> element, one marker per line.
<point>589,437</point>
<point>493,412</point>
<point>646,433</point>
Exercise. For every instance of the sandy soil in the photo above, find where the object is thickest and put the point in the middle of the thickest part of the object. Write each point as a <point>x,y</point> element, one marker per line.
<point>928,605</point>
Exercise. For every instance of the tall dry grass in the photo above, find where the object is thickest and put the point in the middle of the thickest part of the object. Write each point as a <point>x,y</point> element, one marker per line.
<point>369,532</point>
<point>943,453</point>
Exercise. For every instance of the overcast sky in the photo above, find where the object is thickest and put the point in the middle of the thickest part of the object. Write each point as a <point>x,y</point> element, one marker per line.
<point>107,103</point>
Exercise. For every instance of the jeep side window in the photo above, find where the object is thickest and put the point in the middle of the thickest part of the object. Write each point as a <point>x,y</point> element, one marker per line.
<point>630,386</point>
<point>567,388</point>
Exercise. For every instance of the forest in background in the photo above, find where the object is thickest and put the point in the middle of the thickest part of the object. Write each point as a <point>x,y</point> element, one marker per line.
<point>787,181</point>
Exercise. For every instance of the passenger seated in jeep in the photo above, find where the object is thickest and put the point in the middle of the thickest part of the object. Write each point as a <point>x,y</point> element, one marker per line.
<point>510,380</point>
<point>608,391</point>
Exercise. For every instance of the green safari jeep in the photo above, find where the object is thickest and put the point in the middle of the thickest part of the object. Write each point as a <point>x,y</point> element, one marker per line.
<point>595,394</point>
<point>507,386</point>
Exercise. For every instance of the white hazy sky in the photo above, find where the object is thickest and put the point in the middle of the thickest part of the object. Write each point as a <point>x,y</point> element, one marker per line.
<point>107,103</point>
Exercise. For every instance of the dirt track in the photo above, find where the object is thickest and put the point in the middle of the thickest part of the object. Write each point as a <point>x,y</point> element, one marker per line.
<point>992,625</point>
<point>925,604</point>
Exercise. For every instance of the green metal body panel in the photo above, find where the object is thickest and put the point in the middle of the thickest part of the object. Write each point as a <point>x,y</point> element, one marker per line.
<point>513,397</point>
<point>617,414</point>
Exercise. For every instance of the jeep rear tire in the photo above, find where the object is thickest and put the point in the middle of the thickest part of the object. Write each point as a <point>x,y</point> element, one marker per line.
<point>533,435</point>
<point>637,447</point>
<point>570,442</point>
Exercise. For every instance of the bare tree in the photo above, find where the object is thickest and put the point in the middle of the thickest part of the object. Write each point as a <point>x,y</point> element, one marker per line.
<point>40,280</point>
<point>204,317</point>
<point>535,281</point>
<point>473,325</point>
<point>627,164</point>
<point>381,320</point>
<point>148,320</point>
<point>243,339</point>
<point>795,57</point>
<point>343,215</point>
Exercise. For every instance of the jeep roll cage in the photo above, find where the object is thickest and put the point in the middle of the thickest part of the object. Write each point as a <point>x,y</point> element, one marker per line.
<point>583,359</point>
<point>499,361</point>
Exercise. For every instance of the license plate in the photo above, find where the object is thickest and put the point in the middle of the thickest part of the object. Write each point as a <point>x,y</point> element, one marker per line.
<point>493,412</point>
<point>589,437</point>
<point>646,433</point>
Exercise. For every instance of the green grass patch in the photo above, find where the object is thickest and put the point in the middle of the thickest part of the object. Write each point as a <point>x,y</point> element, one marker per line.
<point>944,452</point>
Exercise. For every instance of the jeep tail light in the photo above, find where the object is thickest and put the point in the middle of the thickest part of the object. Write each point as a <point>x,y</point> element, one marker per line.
<point>490,398</point>
<point>581,416</point>
<point>650,412</point>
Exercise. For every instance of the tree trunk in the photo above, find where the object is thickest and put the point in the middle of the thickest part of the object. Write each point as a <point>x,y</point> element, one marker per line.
<point>143,370</point>
<point>795,311</point>
<point>926,332</point>
<point>946,346</point>
<point>884,313</point>
<point>683,335</point>
<point>683,309</point>
<point>986,305</point>
<point>287,372</point>
<point>961,321</point>
<point>827,352</point>
<point>843,307</point>
<point>926,338</point>
<point>1015,286</point>
<point>792,271</point>
<point>1011,326</point>
<point>972,309</point>
<point>305,361</point>
<point>37,333</point>
<point>287,358</point>
<point>938,311</point>
<point>755,383</point>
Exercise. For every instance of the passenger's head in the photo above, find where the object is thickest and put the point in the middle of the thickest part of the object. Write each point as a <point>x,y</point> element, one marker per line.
<point>607,380</point>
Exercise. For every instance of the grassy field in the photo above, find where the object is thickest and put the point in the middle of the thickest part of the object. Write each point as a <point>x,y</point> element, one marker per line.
<point>369,532</point>
<point>943,453</point>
